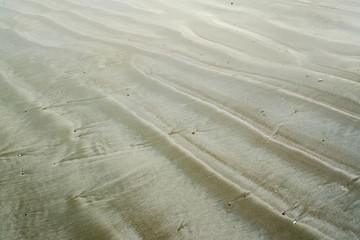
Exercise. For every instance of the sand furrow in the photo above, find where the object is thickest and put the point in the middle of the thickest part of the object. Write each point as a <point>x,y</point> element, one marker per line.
<point>195,168</point>
<point>254,120</point>
<point>179,119</point>
<point>241,172</point>
<point>213,181</point>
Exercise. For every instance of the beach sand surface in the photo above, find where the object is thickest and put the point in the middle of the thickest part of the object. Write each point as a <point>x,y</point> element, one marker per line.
<point>187,119</point>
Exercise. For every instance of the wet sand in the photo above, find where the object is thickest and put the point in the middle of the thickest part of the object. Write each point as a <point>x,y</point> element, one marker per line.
<point>179,119</point>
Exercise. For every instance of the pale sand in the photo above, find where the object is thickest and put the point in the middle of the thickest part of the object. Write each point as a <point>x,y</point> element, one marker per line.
<point>189,119</point>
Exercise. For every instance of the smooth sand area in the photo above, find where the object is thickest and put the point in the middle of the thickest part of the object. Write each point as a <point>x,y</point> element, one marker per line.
<point>179,119</point>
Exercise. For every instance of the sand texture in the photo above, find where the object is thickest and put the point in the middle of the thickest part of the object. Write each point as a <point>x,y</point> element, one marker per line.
<point>179,119</point>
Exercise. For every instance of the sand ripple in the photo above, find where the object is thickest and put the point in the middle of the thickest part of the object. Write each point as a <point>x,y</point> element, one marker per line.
<point>179,119</point>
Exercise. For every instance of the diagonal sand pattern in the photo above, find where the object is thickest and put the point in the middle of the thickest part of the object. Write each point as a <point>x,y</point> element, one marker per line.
<point>179,119</point>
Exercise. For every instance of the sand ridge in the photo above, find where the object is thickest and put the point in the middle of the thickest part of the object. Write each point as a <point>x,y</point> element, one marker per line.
<point>179,119</point>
